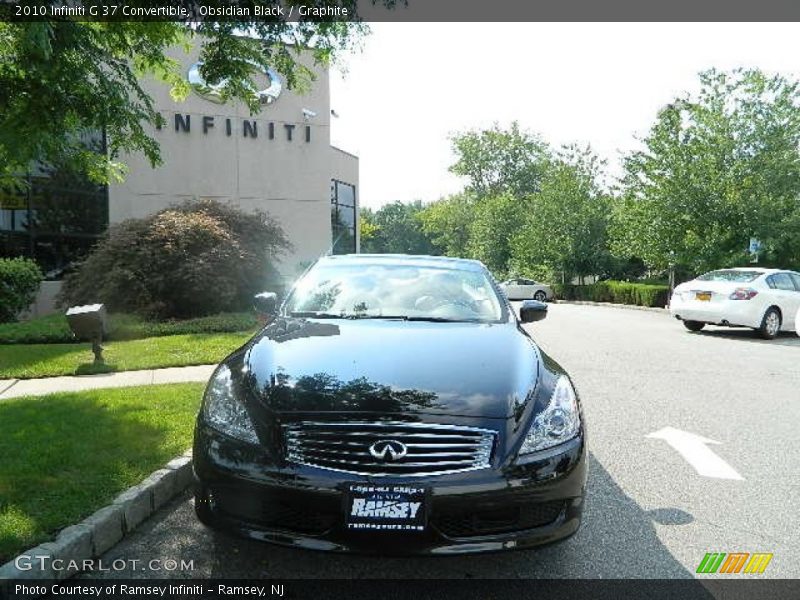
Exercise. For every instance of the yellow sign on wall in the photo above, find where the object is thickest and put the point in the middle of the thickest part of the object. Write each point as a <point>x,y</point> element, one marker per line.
<point>12,201</point>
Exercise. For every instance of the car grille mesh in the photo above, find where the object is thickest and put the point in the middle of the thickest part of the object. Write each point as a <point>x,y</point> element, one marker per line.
<point>488,521</point>
<point>430,449</point>
<point>275,513</point>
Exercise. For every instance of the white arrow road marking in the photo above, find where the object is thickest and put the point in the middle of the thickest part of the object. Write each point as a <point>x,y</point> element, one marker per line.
<point>694,449</point>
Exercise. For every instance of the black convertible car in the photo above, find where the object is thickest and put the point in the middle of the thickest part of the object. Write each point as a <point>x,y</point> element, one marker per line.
<point>392,404</point>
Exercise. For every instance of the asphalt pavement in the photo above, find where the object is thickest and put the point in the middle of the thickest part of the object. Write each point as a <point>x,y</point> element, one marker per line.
<point>721,475</point>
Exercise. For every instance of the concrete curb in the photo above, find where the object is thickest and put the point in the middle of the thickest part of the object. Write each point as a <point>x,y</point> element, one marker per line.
<point>101,531</point>
<point>612,305</point>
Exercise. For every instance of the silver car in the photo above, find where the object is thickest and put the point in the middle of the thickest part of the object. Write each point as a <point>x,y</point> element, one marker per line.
<point>526,289</point>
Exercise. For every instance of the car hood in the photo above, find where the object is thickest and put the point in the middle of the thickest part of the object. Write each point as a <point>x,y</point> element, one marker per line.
<point>391,366</point>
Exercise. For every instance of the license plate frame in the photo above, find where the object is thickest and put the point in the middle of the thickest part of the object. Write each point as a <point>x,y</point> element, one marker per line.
<point>390,508</point>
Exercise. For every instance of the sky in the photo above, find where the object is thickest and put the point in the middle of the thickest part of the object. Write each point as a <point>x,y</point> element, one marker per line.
<point>414,84</point>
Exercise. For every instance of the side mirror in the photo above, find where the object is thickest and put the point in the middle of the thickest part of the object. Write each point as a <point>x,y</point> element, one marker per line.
<point>532,310</point>
<point>265,303</point>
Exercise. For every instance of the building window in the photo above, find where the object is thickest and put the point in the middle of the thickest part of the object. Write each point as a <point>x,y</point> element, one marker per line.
<point>55,221</point>
<point>343,217</point>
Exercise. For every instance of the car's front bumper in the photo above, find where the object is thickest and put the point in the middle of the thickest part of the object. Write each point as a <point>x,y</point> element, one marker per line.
<point>478,511</point>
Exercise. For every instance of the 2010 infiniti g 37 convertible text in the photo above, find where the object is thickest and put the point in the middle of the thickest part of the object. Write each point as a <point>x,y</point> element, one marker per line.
<point>392,404</point>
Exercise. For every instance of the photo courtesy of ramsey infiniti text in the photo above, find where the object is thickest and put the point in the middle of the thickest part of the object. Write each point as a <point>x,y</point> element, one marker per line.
<point>392,404</point>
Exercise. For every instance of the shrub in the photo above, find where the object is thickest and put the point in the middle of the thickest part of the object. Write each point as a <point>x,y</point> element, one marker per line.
<point>190,260</point>
<point>563,291</point>
<point>19,281</point>
<point>54,329</point>
<point>127,327</point>
<point>640,294</point>
<point>653,295</point>
<point>618,292</point>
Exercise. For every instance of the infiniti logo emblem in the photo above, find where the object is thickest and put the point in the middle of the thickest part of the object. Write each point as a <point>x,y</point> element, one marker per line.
<point>388,450</point>
<point>214,92</point>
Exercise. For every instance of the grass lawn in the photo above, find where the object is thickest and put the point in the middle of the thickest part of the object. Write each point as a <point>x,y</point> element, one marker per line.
<point>54,329</point>
<point>25,361</point>
<point>66,455</point>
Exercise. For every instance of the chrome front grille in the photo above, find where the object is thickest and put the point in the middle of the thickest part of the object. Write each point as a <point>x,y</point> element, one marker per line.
<point>418,449</point>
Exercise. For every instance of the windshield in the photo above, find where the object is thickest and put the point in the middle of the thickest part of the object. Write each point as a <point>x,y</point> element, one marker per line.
<point>730,275</point>
<point>394,291</point>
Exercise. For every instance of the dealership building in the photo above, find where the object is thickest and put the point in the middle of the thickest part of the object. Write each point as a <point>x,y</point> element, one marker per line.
<point>279,161</point>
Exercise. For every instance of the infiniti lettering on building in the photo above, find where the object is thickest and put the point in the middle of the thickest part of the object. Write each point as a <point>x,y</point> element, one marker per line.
<point>278,160</point>
<point>248,128</point>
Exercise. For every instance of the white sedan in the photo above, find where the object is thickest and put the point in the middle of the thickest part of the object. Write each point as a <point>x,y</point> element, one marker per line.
<point>767,300</point>
<point>526,289</point>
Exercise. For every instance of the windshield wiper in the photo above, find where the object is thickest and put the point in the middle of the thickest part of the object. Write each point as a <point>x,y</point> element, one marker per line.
<point>430,319</point>
<point>323,315</point>
<point>316,315</point>
<point>443,320</point>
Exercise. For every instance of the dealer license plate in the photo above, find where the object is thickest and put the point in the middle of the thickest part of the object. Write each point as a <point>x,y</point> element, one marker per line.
<point>372,507</point>
<point>703,296</point>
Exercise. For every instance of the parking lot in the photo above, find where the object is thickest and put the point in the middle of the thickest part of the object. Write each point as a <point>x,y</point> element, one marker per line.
<point>719,475</point>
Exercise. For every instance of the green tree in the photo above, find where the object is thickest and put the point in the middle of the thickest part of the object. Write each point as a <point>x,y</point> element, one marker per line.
<point>562,228</point>
<point>368,230</point>
<point>62,79</point>
<point>447,223</point>
<point>498,161</point>
<point>397,229</point>
<point>496,221</point>
<point>718,167</point>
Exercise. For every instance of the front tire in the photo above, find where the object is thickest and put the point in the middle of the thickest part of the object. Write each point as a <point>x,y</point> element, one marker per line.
<point>770,324</point>
<point>540,296</point>
<point>694,325</point>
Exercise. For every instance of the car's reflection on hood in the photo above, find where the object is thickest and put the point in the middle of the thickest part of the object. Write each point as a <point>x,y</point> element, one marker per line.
<point>388,366</point>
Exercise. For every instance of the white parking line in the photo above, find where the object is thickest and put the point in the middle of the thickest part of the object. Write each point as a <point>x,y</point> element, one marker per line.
<point>694,449</point>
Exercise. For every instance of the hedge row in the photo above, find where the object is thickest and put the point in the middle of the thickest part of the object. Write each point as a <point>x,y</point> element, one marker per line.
<point>53,329</point>
<point>619,292</point>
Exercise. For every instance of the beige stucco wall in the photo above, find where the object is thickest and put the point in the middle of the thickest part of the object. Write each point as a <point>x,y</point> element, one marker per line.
<point>288,179</point>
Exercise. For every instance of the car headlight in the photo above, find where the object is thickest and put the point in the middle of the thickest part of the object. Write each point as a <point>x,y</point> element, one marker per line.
<point>557,423</point>
<point>223,411</point>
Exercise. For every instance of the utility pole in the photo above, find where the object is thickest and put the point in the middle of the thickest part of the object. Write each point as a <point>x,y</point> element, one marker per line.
<point>671,275</point>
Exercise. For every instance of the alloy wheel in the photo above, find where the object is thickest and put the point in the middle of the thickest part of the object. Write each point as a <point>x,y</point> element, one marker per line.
<point>773,323</point>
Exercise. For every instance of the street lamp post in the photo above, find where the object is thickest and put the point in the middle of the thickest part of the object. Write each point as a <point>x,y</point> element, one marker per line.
<point>671,275</point>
